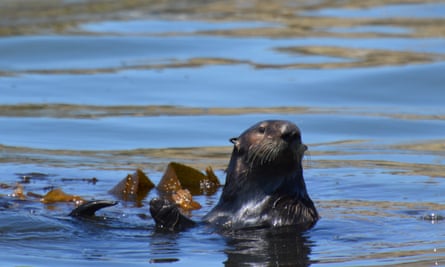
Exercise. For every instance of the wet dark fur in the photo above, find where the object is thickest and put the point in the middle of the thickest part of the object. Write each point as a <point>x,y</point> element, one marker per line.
<point>264,184</point>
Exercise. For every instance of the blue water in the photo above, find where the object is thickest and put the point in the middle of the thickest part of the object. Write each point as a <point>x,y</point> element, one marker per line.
<point>405,10</point>
<point>101,98</point>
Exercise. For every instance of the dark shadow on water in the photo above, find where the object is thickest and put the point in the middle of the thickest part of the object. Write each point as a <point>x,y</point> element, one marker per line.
<point>164,247</point>
<point>268,247</point>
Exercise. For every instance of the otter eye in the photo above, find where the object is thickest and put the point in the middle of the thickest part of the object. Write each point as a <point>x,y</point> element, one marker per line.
<point>261,129</point>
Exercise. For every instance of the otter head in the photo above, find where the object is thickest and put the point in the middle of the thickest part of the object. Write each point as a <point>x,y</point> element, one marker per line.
<point>271,144</point>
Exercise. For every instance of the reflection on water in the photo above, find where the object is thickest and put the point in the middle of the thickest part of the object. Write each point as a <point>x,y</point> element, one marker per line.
<point>96,89</point>
<point>266,247</point>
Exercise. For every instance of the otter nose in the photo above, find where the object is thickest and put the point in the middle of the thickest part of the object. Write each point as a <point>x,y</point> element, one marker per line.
<point>289,133</point>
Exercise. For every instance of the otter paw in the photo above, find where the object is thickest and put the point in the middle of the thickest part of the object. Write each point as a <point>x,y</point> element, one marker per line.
<point>167,216</point>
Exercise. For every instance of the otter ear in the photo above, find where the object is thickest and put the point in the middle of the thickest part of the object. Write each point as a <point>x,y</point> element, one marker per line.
<point>235,141</point>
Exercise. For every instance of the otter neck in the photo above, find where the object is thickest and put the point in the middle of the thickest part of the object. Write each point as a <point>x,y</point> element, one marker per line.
<point>262,182</point>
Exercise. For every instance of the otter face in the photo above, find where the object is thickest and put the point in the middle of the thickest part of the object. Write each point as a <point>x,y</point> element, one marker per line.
<point>272,142</point>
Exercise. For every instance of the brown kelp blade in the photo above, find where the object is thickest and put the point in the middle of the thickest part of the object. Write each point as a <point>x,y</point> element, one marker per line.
<point>184,199</point>
<point>57,195</point>
<point>179,176</point>
<point>88,209</point>
<point>134,187</point>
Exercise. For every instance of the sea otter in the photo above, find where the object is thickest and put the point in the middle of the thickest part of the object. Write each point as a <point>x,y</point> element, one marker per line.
<point>264,184</point>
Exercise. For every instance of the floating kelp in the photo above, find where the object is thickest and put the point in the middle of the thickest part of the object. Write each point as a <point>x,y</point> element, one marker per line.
<point>210,185</point>
<point>179,176</point>
<point>4,186</point>
<point>34,195</point>
<point>184,199</point>
<point>25,178</point>
<point>433,217</point>
<point>19,192</point>
<point>57,195</point>
<point>134,187</point>
<point>93,180</point>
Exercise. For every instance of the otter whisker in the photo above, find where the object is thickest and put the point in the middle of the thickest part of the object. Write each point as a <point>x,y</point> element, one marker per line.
<point>267,154</point>
<point>271,155</point>
<point>307,159</point>
<point>252,156</point>
<point>264,153</point>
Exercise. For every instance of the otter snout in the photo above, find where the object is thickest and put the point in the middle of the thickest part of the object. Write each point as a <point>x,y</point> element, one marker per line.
<point>290,134</point>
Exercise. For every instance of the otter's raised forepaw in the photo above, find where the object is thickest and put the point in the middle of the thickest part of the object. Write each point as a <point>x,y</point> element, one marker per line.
<point>167,216</point>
